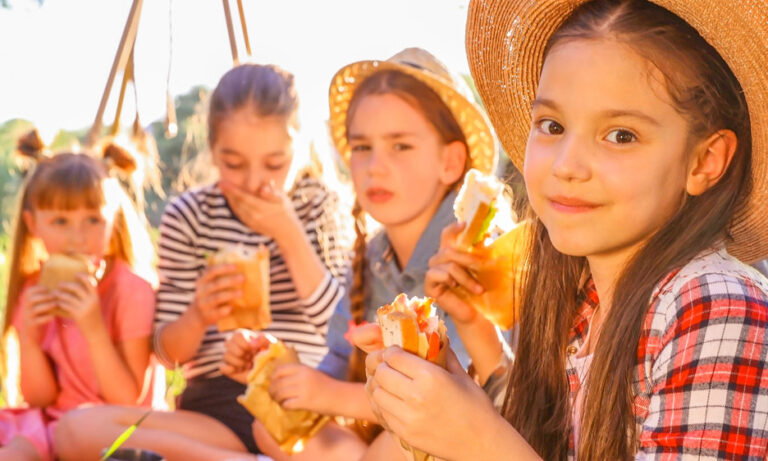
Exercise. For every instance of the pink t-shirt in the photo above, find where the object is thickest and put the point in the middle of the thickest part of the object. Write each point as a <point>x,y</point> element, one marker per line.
<point>127,307</point>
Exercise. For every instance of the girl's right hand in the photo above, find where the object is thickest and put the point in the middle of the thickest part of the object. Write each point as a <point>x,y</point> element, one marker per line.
<point>216,290</point>
<point>239,352</point>
<point>449,268</point>
<point>37,310</point>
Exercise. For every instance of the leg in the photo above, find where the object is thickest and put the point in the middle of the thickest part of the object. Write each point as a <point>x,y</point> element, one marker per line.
<point>182,435</point>
<point>386,448</point>
<point>332,443</point>
<point>19,449</point>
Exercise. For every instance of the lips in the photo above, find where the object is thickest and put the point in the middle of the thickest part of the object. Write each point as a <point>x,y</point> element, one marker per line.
<point>378,194</point>
<point>571,204</point>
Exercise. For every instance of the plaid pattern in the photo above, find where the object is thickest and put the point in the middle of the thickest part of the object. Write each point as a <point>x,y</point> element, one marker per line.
<point>701,384</point>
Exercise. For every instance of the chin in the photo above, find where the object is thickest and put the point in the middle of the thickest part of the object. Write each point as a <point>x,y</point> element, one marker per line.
<point>572,243</point>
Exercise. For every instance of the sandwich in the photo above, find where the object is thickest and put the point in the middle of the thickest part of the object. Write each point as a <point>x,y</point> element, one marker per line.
<point>476,205</point>
<point>63,268</point>
<point>290,428</point>
<point>503,260</point>
<point>413,325</point>
<point>252,309</point>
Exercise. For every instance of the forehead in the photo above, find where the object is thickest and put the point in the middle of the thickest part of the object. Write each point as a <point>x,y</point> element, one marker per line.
<point>381,114</point>
<point>603,74</point>
<point>246,134</point>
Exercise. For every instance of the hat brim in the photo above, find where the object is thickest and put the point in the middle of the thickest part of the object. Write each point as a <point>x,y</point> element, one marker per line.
<point>505,44</point>
<point>472,120</point>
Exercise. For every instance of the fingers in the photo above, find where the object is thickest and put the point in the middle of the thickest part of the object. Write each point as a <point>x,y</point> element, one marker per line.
<point>408,364</point>
<point>449,234</point>
<point>372,362</point>
<point>368,338</point>
<point>285,371</point>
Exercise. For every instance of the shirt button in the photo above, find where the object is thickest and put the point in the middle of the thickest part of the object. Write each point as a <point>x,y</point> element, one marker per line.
<point>571,350</point>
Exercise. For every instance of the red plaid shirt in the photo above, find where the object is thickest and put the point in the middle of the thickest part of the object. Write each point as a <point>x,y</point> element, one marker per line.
<point>701,384</point>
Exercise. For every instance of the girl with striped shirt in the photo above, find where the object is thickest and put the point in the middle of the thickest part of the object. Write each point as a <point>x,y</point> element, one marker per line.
<point>264,196</point>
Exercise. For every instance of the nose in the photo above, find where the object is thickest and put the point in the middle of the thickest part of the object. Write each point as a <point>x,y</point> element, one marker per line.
<point>377,164</point>
<point>253,181</point>
<point>571,161</point>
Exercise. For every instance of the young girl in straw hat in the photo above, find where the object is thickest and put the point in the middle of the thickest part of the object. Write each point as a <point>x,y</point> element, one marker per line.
<point>84,340</point>
<point>408,131</point>
<point>646,157</point>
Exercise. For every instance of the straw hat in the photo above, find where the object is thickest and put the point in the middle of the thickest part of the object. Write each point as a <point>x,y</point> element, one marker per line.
<point>426,68</point>
<point>505,44</point>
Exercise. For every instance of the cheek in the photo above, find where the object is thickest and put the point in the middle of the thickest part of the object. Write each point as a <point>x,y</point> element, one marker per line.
<point>535,170</point>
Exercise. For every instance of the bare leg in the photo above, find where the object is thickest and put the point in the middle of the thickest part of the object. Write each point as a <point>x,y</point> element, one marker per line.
<point>19,449</point>
<point>179,435</point>
<point>332,443</point>
<point>385,448</point>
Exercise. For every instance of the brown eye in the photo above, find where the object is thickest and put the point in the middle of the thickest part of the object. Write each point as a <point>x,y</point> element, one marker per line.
<point>551,127</point>
<point>621,137</point>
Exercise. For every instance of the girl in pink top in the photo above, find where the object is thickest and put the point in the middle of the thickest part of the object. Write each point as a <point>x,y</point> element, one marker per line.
<point>86,341</point>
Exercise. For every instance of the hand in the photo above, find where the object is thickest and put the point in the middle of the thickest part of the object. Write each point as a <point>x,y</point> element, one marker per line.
<point>36,310</point>
<point>216,290</point>
<point>80,301</point>
<point>268,212</point>
<point>449,268</point>
<point>368,338</point>
<point>299,387</point>
<point>413,394</point>
<point>240,350</point>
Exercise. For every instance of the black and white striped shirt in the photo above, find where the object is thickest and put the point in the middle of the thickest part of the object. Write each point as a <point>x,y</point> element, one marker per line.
<point>200,222</point>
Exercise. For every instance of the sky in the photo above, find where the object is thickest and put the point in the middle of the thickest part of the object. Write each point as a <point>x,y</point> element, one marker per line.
<point>55,58</point>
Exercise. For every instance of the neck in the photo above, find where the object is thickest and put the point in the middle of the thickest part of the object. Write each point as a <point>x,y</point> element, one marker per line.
<point>404,236</point>
<point>606,269</point>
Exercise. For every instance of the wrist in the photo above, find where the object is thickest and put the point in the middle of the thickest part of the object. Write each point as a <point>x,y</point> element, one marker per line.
<point>291,232</point>
<point>95,334</point>
<point>194,317</point>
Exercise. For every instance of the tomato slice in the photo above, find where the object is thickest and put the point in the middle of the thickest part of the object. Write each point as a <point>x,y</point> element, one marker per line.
<point>434,346</point>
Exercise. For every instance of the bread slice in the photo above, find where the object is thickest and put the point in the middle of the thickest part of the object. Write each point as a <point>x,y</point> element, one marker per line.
<point>475,206</point>
<point>252,310</point>
<point>409,324</point>
<point>61,268</point>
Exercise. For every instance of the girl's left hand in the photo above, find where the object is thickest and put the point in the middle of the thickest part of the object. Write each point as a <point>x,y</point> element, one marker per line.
<point>80,300</point>
<point>414,396</point>
<point>299,387</point>
<point>268,212</point>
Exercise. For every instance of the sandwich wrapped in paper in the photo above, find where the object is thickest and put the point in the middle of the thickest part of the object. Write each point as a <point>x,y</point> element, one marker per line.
<point>252,310</point>
<point>504,259</point>
<point>290,428</point>
<point>413,325</point>
<point>62,268</point>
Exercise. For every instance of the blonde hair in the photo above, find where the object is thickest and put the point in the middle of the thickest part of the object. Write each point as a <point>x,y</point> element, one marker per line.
<point>67,181</point>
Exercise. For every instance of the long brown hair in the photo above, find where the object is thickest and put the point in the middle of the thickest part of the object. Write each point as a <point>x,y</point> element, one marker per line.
<point>705,91</point>
<point>428,103</point>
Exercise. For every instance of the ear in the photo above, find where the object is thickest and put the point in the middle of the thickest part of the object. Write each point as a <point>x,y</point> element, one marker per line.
<point>29,221</point>
<point>710,161</point>
<point>454,159</point>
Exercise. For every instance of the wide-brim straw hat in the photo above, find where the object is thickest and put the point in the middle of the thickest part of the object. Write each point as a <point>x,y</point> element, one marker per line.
<point>453,91</point>
<point>505,46</point>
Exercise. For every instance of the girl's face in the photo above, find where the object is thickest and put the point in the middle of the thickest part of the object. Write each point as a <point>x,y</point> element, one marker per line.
<point>400,167</point>
<point>82,230</point>
<point>606,161</point>
<point>250,151</point>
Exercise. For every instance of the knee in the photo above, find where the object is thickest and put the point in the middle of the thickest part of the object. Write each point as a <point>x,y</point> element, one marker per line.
<point>68,440</point>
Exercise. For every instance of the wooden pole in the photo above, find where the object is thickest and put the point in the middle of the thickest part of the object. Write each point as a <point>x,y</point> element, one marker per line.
<point>127,77</point>
<point>230,29</point>
<point>121,58</point>
<point>245,28</point>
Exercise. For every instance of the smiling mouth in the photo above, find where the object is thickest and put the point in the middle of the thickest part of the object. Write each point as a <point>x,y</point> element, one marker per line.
<point>571,204</point>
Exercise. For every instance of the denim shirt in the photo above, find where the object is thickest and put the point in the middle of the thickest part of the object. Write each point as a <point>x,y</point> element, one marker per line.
<point>385,281</point>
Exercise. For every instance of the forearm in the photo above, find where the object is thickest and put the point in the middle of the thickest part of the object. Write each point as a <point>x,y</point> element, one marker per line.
<point>37,379</point>
<point>496,439</point>
<point>350,400</point>
<point>482,342</point>
<point>301,259</point>
<point>117,385</point>
<point>181,338</point>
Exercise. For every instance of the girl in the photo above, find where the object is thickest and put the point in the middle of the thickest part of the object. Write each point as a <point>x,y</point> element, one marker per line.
<point>262,198</point>
<point>641,336</point>
<point>408,132</point>
<point>98,349</point>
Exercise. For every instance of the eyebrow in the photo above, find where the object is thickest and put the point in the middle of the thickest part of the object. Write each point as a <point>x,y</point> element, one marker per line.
<point>395,135</point>
<point>226,151</point>
<point>611,113</point>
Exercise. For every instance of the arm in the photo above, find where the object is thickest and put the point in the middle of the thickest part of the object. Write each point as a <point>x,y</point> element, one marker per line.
<point>38,380</point>
<point>706,381</point>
